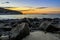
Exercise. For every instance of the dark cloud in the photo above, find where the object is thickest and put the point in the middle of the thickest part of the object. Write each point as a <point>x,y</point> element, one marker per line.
<point>10,7</point>
<point>41,7</point>
<point>5,2</point>
<point>25,10</point>
<point>28,10</point>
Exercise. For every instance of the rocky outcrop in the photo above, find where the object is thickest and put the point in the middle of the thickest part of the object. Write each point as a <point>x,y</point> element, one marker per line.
<point>22,27</point>
<point>4,11</point>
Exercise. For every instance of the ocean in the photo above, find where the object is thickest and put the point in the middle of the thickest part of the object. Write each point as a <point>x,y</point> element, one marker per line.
<point>29,16</point>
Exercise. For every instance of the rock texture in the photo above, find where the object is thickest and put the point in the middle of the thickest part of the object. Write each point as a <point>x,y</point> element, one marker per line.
<point>24,31</point>
<point>12,30</point>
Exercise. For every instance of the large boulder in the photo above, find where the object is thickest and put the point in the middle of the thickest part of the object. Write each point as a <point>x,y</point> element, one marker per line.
<point>13,31</point>
<point>24,31</point>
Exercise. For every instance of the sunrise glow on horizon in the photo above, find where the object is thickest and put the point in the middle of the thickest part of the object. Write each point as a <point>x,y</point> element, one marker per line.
<point>36,10</point>
<point>33,6</point>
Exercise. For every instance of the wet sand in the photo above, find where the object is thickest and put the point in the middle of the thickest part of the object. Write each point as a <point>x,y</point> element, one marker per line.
<point>39,35</point>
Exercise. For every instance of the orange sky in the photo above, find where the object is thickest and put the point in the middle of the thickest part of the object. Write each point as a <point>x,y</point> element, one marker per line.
<point>39,10</point>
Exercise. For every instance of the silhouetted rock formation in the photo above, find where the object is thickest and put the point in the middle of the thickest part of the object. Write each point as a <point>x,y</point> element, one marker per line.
<point>4,11</point>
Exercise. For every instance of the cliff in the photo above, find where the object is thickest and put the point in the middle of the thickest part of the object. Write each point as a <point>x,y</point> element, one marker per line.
<point>4,11</point>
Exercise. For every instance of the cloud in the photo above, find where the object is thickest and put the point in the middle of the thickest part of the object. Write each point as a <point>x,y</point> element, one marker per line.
<point>28,6</point>
<point>41,7</point>
<point>28,10</point>
<point>55,12</point>
<point>32,8</point>
<point>25,10</point>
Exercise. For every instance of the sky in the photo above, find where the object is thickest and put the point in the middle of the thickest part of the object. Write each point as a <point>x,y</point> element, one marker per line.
<point>34,6</point>
<point>31,3</point>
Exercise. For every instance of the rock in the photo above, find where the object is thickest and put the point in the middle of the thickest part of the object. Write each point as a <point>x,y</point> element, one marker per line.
<point>24,31</point>
<point>52,29</point>
<point>15,31</point>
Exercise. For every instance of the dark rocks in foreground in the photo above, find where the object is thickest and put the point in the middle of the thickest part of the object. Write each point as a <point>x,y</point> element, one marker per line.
<point>24,31</point>
<point>20,28</point>
<point>36,23</point>
<point>14,31</point>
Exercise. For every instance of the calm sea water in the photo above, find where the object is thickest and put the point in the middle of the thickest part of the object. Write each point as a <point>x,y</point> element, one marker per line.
<point>29,16</point>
